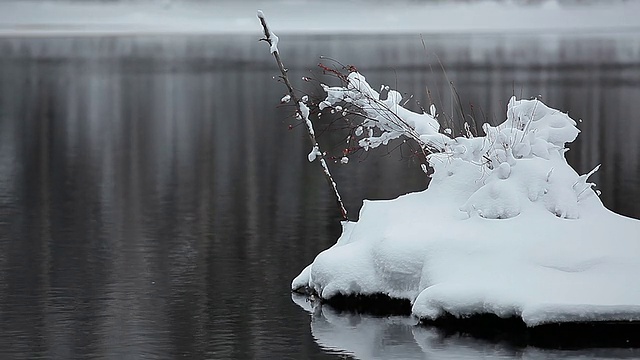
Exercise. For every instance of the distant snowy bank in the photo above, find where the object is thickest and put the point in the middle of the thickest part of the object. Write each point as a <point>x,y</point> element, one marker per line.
<point>506,226</point>
<point>53,18</point>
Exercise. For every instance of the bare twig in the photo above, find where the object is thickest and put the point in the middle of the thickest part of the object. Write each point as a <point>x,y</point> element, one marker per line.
<point>302,111</point>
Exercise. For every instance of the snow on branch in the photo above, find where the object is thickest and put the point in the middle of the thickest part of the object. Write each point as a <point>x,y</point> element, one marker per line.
<point>532,132</point>
<point>387,116</point>
<point>302,112</point>
<point>530,141</point>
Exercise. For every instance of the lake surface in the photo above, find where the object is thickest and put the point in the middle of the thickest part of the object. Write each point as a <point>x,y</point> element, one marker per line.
<point>154,203</point>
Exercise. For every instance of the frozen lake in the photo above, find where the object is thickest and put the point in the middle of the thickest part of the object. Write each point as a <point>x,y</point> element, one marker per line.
<point>154,204</point>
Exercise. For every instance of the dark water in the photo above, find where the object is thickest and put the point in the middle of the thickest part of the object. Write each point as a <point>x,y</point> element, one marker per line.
<point>154,205</point>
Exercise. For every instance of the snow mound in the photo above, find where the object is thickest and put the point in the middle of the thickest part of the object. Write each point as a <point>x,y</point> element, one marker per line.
<point>506,226</point>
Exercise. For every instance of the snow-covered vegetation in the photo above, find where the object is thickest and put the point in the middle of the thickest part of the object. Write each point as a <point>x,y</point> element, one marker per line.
<point>505,227</point>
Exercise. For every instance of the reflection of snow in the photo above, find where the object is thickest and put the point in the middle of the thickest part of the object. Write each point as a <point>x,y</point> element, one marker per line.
<point>506,226</point>
<point>8,163</point>
<point>309,17</point>
<point>367,337</point>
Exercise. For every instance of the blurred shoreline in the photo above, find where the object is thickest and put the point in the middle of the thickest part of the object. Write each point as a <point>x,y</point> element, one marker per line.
<point>46,18</point>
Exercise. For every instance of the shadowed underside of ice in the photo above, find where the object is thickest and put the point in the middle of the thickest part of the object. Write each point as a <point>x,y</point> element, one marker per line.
<point>361,336</point>
<point>506,227</point>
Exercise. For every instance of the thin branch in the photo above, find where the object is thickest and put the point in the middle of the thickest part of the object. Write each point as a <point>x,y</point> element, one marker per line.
<point>302,110</point>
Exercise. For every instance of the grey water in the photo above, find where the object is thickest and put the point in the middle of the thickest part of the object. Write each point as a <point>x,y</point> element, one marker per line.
<point>155,204</point>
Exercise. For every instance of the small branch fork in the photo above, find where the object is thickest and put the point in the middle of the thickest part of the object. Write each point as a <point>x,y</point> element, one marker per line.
<point>301,110</point>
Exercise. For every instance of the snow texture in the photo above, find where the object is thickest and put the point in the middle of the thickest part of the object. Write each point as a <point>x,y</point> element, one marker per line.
<point>386,116</point>
<point>506,226</point>
<point>274,43</point>
<point>313,153</point>
<point>271,36</point>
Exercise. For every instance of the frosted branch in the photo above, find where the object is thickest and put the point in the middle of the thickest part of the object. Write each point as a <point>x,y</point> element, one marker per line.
<point>302,111</point>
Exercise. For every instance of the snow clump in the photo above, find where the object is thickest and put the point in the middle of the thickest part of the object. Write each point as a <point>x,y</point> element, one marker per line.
<point>506,225</point>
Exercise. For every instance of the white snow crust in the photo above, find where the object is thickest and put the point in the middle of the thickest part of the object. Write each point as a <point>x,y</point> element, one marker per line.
<point>506,227</point>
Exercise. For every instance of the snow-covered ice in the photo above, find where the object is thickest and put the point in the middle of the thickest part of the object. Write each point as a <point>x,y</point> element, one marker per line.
<point>505,227</point>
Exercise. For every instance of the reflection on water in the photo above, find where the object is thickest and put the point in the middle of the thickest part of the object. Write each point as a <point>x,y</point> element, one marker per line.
<point>153,204</point>
<point>368,337</point>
